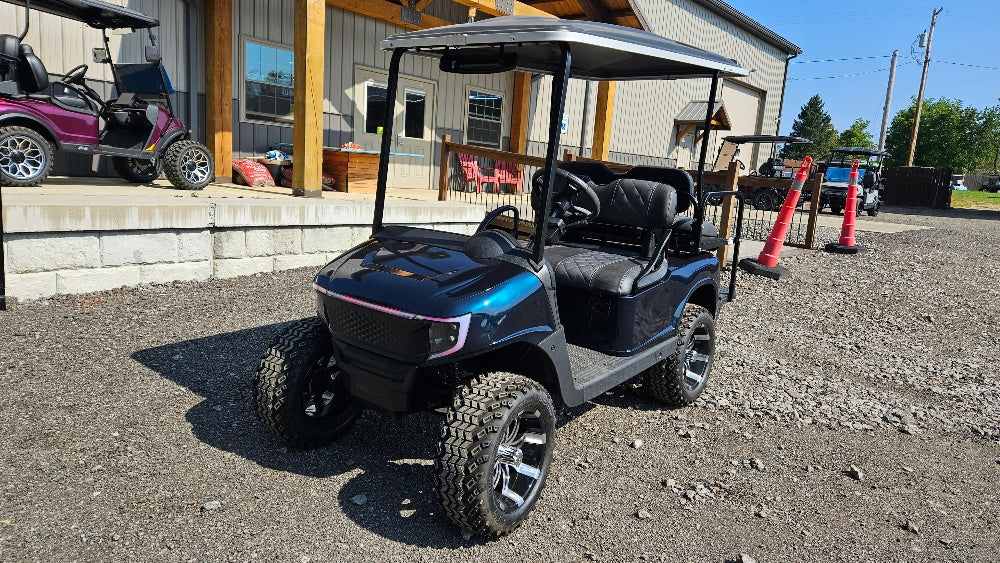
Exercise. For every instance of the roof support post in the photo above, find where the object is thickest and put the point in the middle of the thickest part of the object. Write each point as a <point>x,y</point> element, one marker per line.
<point>219,84</point>
<point>559,84</point>
<point>699,205</point>
<point>603,120</point>
<point>307,131</point>
<point>520,106</point>
<point>383,161</point>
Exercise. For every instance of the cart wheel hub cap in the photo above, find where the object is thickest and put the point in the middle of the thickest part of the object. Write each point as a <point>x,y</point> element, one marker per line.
<point>17,157</point>
<point>510,455</point>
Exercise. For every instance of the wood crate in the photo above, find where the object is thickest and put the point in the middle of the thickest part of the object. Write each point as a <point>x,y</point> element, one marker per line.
<point>355,172</point>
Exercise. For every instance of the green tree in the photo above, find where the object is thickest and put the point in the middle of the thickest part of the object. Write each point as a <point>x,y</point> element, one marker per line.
<point>813,123</point>
<point>857,135</point>
<point>952,135</point>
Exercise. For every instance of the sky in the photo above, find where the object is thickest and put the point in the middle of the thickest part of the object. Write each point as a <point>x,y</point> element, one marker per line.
<point>967,32</point>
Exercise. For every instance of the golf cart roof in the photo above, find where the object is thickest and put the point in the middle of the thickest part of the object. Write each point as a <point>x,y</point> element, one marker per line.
<point>864,151</point>
<point>740,139</point>
<point>600,51</point>
<point>95,13</point>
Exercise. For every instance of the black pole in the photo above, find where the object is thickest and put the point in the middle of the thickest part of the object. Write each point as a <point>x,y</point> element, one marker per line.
<point>559,84</point>
<point>700,205</point>
<point>383,162</point>
<point>27,15</point>
<point>3,268</point>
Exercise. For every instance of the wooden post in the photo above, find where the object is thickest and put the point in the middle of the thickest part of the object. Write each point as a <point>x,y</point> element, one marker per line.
<point>219,85</point>
<point>728,206</point>
<point>307,131</point>
<point>520,104</point>
<point>568,156</point>
<point>602,120</point>
<point>445,167</point>
<point>817,188</point>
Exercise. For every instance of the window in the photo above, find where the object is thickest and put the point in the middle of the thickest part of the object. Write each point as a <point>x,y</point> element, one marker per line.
<point>375,95</point>
<point>268,82</point>
<point>413,118</point>
<point>484,121</point>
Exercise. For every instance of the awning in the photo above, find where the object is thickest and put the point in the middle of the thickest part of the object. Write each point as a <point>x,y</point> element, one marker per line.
<point>692,117</point>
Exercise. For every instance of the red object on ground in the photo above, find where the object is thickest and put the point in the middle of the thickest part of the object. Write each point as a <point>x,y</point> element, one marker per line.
<point>850,207</point>
<point>772,248</point>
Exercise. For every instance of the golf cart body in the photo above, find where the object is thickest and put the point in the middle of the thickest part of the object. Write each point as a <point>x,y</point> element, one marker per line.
<point>870,181</point>
<point>612,283</point>
<point>765,198</point>
<point>139,125</point>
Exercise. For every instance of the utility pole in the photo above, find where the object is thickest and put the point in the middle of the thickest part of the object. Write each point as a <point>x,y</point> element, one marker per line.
<point>888,101</point>
<point>920,93</point>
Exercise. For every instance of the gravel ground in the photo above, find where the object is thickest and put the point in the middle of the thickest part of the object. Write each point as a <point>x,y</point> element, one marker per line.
<point>854,413</point>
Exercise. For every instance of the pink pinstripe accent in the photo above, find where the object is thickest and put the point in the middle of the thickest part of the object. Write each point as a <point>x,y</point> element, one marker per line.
<point>463,321</point>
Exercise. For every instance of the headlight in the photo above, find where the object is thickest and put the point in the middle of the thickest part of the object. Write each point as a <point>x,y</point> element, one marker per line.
<point>447,336</point>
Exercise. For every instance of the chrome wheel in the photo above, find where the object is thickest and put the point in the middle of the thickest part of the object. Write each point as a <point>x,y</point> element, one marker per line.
<point>698,358</point>
<point>22,158</point>
<point>324,399</point>
<point>520,453</point>
<point>195,165</point>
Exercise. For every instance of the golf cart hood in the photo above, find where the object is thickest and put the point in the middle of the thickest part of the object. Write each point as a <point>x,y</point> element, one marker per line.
<point>423,272</point>
<point>95,13</point>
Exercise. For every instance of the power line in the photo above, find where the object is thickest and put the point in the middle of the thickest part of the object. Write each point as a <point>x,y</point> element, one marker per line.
<point>968,65</point>
<point>846,75</point>
<point>844,59</point>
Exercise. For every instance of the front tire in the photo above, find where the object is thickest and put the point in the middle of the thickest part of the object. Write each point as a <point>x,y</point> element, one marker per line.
<point>137,171</point>
<point>873,212</point>
<point>836,209</point>
<point>681,378</point>
<point>188,165</point>
<point>495,451</point>
<point>25,157</point>
<point>298,391</point>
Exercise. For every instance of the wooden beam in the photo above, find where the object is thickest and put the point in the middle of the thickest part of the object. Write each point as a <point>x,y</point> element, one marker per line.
<point>421,4</point>
<point>490,7</point>
<point>219,85</point>
<point>602,120</point>
<point>307,132</point>
<point>387,11</point>
<point>595,11</point>
<point>520,104</point>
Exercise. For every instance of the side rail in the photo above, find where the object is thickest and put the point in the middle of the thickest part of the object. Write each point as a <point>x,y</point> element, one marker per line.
<point>735,239</point>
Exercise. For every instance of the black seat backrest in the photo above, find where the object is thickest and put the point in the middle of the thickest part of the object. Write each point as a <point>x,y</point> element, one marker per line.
<point>9,55</point>
<point>596,172</point>
<point>31,73</point>
<point>634,213</point>
<point>679,179</point>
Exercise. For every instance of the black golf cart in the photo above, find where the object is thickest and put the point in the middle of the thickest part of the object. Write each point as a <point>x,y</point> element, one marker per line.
<point>137,127</point>
<point>835,179</point>
<point>765,198</point>
<point>614,283</point>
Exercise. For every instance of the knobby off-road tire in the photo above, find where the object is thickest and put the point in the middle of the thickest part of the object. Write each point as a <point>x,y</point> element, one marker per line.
<point>298,393</point>
<point>495,451</point>
<point>681,378</point>
<point>137,171</point>
<point>188,165</point>
<point>25,157</point>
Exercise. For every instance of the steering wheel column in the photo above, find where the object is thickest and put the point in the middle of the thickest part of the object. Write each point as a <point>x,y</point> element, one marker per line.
<point>574,202</point>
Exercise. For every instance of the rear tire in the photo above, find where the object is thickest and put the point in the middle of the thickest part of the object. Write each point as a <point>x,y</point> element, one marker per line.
<point>836,209</point>
<point>495,452</point>
<point>188,165</point>
<point>25,157</point>
<point>298,393</point>
<point>681,378</point>
<point>137,171</point>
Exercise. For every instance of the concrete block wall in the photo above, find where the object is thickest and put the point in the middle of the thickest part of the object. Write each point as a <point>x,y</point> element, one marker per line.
<point>42,263</point>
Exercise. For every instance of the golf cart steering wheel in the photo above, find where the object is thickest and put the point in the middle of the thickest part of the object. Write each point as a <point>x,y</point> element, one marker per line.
<point>564,194</point>
<point>75,75</point>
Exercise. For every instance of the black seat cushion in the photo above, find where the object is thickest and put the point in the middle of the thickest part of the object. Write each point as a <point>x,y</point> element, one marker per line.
<point>31,73</point>
<point>637,203</point>
<point>597,271</point>
<point>678,179</point>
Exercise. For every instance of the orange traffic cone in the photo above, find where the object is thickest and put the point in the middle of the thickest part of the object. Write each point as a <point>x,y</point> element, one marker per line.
<point>766,263</point>
<point>847,244</point>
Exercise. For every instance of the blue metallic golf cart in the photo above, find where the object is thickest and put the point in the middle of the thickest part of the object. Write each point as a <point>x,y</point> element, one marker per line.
<point>618,279</point>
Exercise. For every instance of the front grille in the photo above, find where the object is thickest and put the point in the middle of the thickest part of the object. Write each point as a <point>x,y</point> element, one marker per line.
<point>376,331</point>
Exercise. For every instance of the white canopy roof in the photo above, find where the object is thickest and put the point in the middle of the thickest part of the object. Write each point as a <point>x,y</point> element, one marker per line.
<point>600,51</point>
